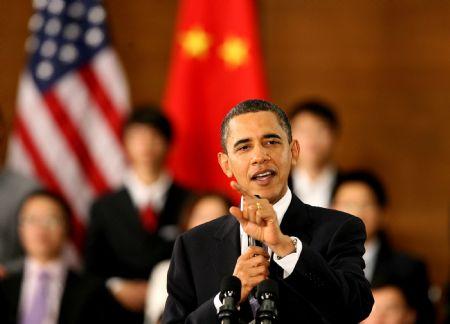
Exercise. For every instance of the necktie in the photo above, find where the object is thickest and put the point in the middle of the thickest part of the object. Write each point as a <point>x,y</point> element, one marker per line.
<point>38,308</point>
<point>149,219</point>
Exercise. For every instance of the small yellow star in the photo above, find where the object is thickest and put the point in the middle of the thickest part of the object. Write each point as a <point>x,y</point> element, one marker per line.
<point>195,42</point>
<point>234,51</point>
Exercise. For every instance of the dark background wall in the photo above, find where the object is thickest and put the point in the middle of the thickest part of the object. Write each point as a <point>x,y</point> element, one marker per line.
<point>384,64</point>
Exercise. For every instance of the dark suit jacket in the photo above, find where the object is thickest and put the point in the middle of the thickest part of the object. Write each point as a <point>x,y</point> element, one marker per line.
<point>118,246</point>
<point>396,267</point>
<point>326,286</point>
<point>83,301</point>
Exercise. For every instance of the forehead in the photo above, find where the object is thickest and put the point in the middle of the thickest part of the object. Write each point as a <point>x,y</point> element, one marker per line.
<point>355,189</point>
<point>40,204</point>
<point>254,125</point>
<point>306,118</point>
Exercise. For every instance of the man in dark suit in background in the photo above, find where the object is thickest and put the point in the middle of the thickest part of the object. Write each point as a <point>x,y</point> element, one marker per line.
<point>46,290</point>
<point>361,193</point>
<point>314,254</point>
<point>133,229</point>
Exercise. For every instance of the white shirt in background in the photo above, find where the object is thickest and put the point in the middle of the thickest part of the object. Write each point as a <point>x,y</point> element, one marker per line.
<point>370,258</point>
<point>143,195</point>
<point>314,192</point>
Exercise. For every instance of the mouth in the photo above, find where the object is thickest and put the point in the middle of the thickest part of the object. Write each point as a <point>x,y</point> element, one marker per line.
<point>263,177</point>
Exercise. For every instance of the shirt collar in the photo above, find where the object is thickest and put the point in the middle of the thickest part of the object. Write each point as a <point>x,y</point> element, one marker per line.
<point>326,176</point>
<point>144,194</point>
<point>55,268</point>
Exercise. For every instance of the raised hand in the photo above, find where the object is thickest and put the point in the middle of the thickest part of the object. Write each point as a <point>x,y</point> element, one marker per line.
<point>259,220</point>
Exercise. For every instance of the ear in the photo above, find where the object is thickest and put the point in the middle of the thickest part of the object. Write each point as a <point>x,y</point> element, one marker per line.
<point>295,152</point>
<point>224,163</point>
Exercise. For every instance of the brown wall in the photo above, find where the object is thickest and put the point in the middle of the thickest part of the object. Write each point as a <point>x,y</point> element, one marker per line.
<point>384,64</point>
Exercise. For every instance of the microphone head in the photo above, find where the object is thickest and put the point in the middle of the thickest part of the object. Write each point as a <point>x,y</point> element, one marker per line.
<point>267,289</point>
<point>230,287</point>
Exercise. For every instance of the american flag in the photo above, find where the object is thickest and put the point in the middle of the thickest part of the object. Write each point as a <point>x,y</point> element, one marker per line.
<point>72,98</point>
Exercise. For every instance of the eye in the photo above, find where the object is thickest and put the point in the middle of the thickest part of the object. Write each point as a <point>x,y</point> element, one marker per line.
<point>273,142</point>
<point>243,148</point>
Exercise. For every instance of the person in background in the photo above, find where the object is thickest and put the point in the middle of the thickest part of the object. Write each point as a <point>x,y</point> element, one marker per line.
<point>316,127</point>
<point>133,228</point>
<point>391,306</point>
<point>46,290</point>
<point>13,188</point>
<point>199,209</point>
<point>362,194</point>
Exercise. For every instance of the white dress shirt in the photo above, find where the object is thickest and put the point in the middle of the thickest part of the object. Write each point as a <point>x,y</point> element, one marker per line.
<point>315,192</point>
<point>32,269</point>
<point>144,195</point>
<point>370,258</point>
<point>288,262</point>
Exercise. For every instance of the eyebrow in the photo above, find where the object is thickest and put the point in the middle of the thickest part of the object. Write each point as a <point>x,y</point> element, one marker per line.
<point>265,136</point>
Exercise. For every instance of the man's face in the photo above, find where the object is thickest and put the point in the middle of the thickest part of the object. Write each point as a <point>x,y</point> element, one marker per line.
<point>358,199</point>
<point>42,229</point>
<point>259,155</point>
<point>145,146</point>
<point>315,137</point>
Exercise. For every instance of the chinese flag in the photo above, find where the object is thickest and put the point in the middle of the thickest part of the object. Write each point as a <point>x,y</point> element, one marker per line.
<point>216,63</point>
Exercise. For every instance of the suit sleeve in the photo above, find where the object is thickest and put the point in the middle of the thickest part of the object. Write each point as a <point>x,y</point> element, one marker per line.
<point>181,305</point>
<point>333,281</point>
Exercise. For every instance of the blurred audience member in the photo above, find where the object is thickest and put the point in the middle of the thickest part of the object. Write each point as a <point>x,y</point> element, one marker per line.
<point>391,306</point>
<point>133,228</point>
<point>46,290</point>
<point>13,188</point>
<point>315,126</point>
<point>198,210</point>
<point>362,194</point>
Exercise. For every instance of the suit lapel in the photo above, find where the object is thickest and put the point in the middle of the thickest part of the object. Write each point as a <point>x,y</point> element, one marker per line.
<point>296,220</point>
<point>227,247</point>
<point>295,223</point>
<point>129,212</point>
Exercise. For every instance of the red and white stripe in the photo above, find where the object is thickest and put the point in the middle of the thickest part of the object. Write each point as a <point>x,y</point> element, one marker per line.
<point>69,136</point>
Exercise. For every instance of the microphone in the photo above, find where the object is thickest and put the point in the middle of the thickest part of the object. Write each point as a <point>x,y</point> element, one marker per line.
<point>230,294</point>
<point>267,295</point>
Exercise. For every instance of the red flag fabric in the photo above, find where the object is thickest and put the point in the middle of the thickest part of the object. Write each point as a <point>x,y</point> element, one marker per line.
<point>216,63</point>
<point>72,99</point>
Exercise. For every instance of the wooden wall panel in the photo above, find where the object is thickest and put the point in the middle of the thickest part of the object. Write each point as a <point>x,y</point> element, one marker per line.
<point>384,64</point>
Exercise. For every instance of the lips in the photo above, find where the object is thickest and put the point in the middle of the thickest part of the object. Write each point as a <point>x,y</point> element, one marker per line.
<point>263,176</point>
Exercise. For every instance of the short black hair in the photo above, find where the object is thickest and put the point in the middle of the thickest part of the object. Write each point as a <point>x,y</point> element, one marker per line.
<point>252,106</point>
<point>318,108</point>
<point>58,199</point>
<point>395,281</point>
<point>151,116</point>
<point>369,179</point>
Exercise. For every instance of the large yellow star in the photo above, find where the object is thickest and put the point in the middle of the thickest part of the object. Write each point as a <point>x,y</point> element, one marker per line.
<point>234,51</point>
<point>195,42</point>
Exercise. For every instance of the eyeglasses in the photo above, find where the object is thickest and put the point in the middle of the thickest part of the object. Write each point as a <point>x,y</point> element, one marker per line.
<point>51,222</point>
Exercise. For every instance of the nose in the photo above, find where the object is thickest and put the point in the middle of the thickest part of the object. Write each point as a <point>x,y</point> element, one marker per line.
<point>260,155</point>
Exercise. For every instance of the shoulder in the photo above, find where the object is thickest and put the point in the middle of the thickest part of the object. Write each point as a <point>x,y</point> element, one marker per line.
<point>330,220</point>
<point>178,191</point>
<point>208,229</point>
<point>11,282</point>
<point>111,199</point>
